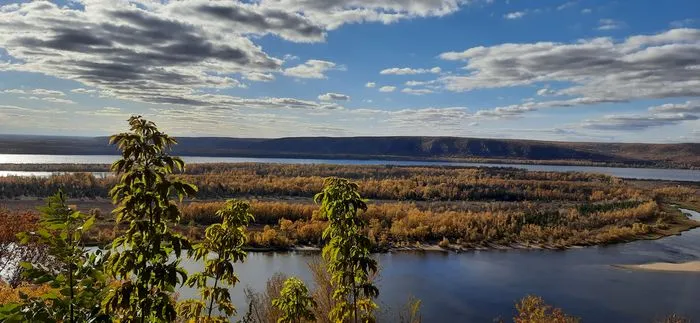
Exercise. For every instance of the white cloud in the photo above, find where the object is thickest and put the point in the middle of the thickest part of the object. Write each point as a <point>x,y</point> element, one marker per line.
<point>417,91</point>
<point>334,13</point>
<point>246,18</point>
<point>444,118</point>
<point>566,5</point>
<point>312,69</point>
<point>387,89</point>
<point>637,122</point>
<point>517,110</point>
<point>545,91</point>
<point>687,107</point>
<point>334,97</point>
<point>14,91</point>
<point>47,92</point>
<point>83,91</point>
<point>515,15</point>
<point>9,7</point>
<point>370,84</point>
<point>586,11</point>
<point>41,92</point>
<point>260,77</point>
<point>415,83</point>
<point>505,112</point>
<point>610,24</point>
<point>409,71</point>
<point>131,53</point>
<point>168,52</point>
<point>596,70</point>
<point>49,99</point>
<point>106,112</point>
<point>11,110</point>
<point>440,119</point>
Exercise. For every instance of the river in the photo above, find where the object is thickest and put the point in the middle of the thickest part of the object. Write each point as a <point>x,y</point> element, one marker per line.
<point>630,173</point>
<point>479,286</point>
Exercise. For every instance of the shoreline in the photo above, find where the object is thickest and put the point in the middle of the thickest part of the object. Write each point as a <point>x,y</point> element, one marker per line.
<point>434,247</point>
<point>692,266</point>
<point>680,267</point>
<point>464,160</point>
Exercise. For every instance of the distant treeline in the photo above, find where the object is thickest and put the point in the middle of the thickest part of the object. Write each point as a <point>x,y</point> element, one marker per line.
<point>685,155</point>
<point>217,181</point>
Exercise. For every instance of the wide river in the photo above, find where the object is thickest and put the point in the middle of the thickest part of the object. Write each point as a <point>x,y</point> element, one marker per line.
<point>479,286</point>
<point>632,173</point>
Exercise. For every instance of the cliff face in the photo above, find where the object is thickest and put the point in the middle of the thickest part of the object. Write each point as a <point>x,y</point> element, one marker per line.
<point>663,155</point>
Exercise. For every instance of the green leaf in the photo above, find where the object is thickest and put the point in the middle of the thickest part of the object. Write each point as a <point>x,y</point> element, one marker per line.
<point>88,223</point>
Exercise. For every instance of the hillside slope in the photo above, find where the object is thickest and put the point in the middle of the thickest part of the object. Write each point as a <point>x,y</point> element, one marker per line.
<point>686,155</point>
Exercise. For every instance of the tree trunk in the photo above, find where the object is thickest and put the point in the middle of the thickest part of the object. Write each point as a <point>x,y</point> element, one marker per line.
<point>211,301</point>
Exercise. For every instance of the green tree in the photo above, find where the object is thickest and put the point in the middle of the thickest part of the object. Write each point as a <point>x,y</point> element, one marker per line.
<point>146,258</point>
<point>221,248</point>
<point>347,251</point>
<point>295,302</point>
<point>74,275</point>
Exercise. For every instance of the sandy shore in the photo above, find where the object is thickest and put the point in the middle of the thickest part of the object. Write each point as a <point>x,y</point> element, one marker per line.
<point>691,266</point>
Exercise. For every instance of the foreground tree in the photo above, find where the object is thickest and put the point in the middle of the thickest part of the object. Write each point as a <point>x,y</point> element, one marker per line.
<point>73,276</point>
<point>294,302</point>
<point>347,251</point>
<point>221,248</point>
<point>146,258</point>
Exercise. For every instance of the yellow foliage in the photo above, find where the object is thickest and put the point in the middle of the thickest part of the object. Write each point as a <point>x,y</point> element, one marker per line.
<point>11,295</point>
<point>533,309</point>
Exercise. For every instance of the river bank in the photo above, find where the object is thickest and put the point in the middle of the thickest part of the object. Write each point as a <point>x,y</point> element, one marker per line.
<point>691,266</point>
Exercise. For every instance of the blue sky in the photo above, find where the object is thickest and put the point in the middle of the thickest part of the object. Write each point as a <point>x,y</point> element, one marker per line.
<point>580,70</point>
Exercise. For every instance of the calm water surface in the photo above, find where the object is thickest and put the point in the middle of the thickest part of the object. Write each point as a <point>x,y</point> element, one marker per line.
<point>635,173</point>
<point>481,285</point>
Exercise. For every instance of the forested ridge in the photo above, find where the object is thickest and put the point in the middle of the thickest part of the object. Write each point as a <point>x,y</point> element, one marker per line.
<point>684,155</point>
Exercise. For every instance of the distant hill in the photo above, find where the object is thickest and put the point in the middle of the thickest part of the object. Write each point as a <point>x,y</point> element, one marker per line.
<point>686,155</point>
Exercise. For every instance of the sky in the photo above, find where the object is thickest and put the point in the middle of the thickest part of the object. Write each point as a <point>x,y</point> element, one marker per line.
<point>579,70</point>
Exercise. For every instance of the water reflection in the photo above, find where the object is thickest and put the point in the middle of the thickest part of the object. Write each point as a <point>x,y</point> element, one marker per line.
<point>637,173</point>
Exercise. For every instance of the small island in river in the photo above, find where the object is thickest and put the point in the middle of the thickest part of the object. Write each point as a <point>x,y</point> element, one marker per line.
<point>410,207</point>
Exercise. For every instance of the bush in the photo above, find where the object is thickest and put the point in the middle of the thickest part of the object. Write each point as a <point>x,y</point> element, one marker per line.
<point>533,309</point>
